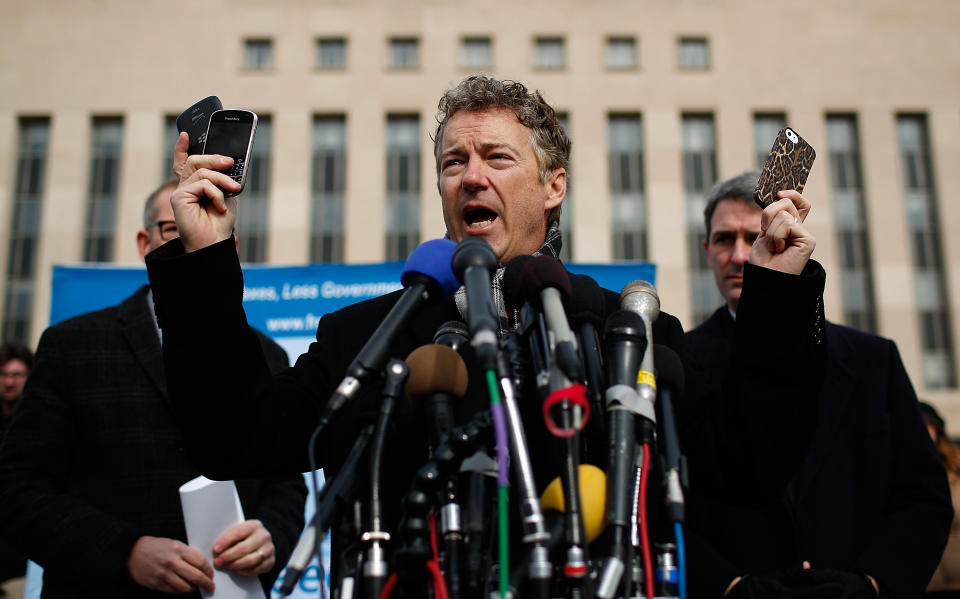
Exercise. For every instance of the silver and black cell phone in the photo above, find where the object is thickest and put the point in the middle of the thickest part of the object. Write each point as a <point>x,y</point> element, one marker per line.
<point>231,134</point>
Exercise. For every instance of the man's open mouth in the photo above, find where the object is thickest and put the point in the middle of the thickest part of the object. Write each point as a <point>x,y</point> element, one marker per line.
<point>479,217</point>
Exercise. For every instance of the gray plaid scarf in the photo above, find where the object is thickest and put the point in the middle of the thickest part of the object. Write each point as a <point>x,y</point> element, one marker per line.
<point>551,247</point>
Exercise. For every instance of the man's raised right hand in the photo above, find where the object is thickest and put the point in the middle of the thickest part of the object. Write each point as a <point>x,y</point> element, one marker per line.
<point>204,216</point>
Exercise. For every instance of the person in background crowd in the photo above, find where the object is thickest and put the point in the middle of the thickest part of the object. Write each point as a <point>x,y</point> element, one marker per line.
<point>946,580</point>
<point>90,471</point>
<point>865,509</point>
<point>16,361</point>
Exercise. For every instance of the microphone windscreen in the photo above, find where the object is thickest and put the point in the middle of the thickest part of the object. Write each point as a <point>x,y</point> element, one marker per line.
<point>669,368</point>
<point>433,259</point>
<point>587,303</point>
<point>512,275</point>
<point>541,272</point>
<point>435,369</point>
<point>642,298</point>
<point>593,499</point>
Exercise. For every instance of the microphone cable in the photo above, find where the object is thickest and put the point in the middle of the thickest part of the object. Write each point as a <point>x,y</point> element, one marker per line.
<point>644,528</point>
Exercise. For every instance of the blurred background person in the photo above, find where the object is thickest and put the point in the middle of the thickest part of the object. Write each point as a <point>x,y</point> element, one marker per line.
<point>16,360</point>
<point>946,580</point>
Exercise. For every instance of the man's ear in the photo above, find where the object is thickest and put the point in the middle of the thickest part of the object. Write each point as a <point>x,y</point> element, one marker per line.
<point>143,243</point>
<point>556,188</point>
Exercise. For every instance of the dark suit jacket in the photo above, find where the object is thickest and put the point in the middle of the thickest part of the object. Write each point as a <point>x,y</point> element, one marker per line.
<point>870,493</point>
<point>95,456</point>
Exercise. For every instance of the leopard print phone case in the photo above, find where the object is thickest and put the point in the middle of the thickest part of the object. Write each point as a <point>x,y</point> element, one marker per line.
<point>787,167</point>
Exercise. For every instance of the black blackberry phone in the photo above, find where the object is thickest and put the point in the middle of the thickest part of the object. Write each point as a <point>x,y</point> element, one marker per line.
<point>231,134</point>
<point>195,120</point>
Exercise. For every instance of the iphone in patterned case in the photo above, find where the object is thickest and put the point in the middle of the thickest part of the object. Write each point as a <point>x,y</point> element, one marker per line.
<point>787,167</point>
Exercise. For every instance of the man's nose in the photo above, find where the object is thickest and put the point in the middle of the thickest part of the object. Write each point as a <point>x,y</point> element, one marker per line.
<point>473,174</point>
<point>741,251</point>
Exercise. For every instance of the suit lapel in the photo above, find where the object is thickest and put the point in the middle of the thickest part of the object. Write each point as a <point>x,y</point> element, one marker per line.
<point>138,330</point>
<point>834,398</point>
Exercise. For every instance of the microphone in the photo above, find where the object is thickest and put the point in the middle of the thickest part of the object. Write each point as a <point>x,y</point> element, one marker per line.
<point>453,334</point>
<point>532,327</point>
<point>546,285</point>
<point>670,380</point>
<point>428,278</point>
<point>437,375</point>
<point>474,263</point>
<point>626,341</point>
<point>586,307</point>
<point>334,495</point>
<point>592,485</point>
<point>641,297</point>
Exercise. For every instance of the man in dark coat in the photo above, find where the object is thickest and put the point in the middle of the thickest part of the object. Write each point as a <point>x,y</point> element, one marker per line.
<point>90,471</point>
<point>501,158</point>
<point>865,507</point>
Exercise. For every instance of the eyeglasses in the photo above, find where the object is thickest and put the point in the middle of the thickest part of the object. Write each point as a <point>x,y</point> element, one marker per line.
<point>13,375</point>
<point>167,228</point>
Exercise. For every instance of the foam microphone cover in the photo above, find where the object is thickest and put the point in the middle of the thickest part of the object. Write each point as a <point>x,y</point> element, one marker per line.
<point>435,369</point>
<point>541,272</point>
<point>593,499</point>
<point>433,259</point>
<point>669,368</point>
<point>587,302</point>
<point>512,274</point>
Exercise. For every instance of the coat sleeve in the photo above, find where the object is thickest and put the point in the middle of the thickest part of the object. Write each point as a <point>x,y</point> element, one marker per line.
<point>58,530</point>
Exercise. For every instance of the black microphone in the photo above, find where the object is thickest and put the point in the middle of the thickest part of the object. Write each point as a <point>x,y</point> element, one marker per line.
<point>428,278</point>
<point>375,565</point>
<point>626,341</point>
<point>453,333</point>
<point>670,383</point>
<point>473,264</point>
<point>546,285</point>
<point>333,497</point>
<point>586,309</point>
<point>532,327</point>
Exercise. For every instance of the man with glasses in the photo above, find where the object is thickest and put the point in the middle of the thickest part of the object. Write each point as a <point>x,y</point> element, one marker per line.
<point>90,472</point>
<point>16,360</point>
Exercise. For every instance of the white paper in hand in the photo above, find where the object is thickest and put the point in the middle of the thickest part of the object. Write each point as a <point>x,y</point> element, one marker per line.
<point>209,509</point>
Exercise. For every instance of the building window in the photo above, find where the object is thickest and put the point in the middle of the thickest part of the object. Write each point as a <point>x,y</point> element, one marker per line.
<point>765,129</point>
<point>933,312</point>
<point>621,53</point>
<point>103,189</point>
<point>566,212</point>
<point>34,144</point>
<point>699,175</point>
<point>404,53</point>
<point>332,53</point>
<point>627,202</point>
<point>253,216</point>
<point>329,188</point>
<point>258,54</point>
<point>850,215</point>
<point>549,53</point>
<point>170,135</point>
<point>403,186</point>
<point>694,53</point>
<point>476,53</point>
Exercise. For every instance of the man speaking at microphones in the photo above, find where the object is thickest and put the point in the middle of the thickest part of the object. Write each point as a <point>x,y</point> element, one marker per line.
<point>861,509</point>
<point>501,159</point>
